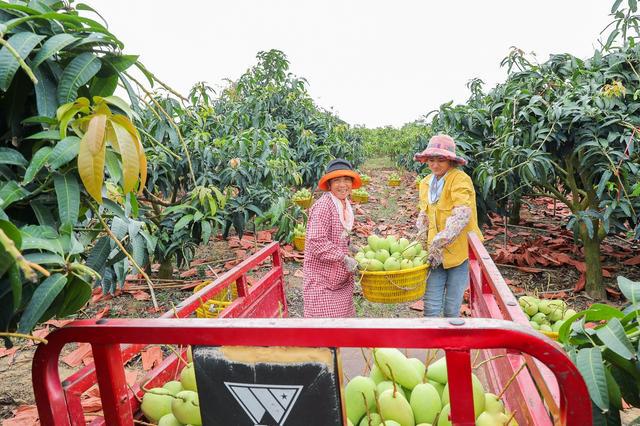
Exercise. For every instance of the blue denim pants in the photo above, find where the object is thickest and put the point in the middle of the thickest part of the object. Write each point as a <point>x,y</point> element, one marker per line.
<point>446,285</point>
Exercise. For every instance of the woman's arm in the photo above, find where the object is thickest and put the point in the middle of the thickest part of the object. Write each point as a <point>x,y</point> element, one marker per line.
<point>317,242</point>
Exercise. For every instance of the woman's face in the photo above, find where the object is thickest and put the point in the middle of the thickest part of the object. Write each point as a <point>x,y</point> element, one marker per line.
<point>341,186</point>
<point>439,166</point>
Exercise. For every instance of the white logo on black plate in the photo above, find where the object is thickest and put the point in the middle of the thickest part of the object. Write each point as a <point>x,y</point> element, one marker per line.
<point>256,400</point>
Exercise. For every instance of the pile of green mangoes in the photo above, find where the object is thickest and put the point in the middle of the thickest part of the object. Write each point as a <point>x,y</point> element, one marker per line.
<point>176,403</point>
<point>394,176</point>
<point>300,230</point>
<point>360,192</point>
<point>303,194</point>
<point>545,315</point>
<point>401,391</point>
<point>390,254</point>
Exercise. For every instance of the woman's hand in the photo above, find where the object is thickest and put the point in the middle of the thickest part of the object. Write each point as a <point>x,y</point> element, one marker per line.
<point>421,222</point>
<point>350,263</point>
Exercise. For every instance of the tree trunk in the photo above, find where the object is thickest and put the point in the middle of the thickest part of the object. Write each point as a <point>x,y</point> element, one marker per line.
<point>166,269</point>
<point>514,213</point>
<point>594,284</point>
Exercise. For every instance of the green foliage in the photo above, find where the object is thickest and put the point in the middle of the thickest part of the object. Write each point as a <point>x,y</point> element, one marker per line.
<point>392,142</point>
<point>603,342</point>
<point>259,138</point>
<point>52,61</point>
<point>566,128</point>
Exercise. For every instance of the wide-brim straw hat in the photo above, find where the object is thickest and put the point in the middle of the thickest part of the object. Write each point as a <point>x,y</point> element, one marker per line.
<point>338,168</point>
<point>440,146</point>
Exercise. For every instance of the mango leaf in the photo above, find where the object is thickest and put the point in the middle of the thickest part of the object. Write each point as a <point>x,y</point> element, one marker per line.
<point>99,254</point>
<point>79,71</point>
<point>182,222</point>
<point>13,157</point>
<point>615,398</point>
<point>42,298</point>
<point>142,159</point>
<point>45,94</point>
<point>15,280</point>
<point>53,135</point>
<point>39,119</point>
<point>591,366</point>
<point>42,212</point>
<point>104,86</point>
<point>613,335</point>
<point>76,294</point>
<point>64,151</point>
<point>91,157</point>
<point>120,104</point>
<point>122,62</point>
<point>139,252</point>
<point>629,386</point>
<point>23,43</point>
<point>49,244</point>
<point>114,208</point>
<point>10,193</point>
<point>45,258</point>
<point>39,231</point>
<point>205,234</point>
<point>68,196</point>
<point>38,160</point>
<point>50,47</point>
<point>129,153</point>
<point>630,289</point>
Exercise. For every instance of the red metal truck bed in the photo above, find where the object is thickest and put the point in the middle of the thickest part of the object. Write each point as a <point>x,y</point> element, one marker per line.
<point>539,396</point>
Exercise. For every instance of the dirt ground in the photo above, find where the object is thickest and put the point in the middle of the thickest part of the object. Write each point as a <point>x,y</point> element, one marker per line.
<point>390,210</point>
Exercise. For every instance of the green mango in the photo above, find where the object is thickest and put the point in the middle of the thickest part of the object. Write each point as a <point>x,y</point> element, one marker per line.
<point>373,419</point>
<point>425,403</point>
<point>418,366</point>
<point>388,384</point>
<point>437,371</point>
<point>394,406</point>
<point>375,265</point>
<point>556,326</point>
<point>439,387</point>
<point>443,419</point>
<point>353,395</point>
<point>492,404</point>
<point>382,255</point>
<point>395,365</point>
<point>376,374</point>
<point>478,395</point>
<point>373,242</point>
<point>392,264</point>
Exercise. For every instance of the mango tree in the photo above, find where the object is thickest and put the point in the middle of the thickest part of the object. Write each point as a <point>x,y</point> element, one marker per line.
<point>66,145</point>
<point>567,129</point>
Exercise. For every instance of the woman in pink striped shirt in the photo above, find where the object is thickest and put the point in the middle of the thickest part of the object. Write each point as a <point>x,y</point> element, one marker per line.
<point>328,265</point>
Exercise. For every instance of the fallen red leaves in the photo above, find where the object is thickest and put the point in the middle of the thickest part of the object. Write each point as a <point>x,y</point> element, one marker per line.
<point>151,357</point>
<point>74,359</point>
<point>24,415</point>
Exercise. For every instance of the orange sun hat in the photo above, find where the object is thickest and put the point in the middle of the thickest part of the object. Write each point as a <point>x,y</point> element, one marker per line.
<point>338,168</point>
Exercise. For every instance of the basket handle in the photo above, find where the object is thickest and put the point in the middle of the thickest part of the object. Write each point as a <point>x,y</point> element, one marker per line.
<point>406,288</point>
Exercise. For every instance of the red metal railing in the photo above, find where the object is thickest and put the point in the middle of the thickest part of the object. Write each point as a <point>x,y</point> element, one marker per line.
<point>536,386</point>
<point>264,299</point>
<point>456,336</point>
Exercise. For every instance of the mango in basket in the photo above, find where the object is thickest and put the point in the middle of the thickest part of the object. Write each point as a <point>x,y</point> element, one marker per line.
<point>391,254</point>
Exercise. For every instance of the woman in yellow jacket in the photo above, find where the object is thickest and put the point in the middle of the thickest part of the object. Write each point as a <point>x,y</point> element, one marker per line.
<point>447,215</point>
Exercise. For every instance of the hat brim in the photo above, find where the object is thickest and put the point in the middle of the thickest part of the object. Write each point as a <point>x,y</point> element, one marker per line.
<point>323,185</point>
<point>435,152</point>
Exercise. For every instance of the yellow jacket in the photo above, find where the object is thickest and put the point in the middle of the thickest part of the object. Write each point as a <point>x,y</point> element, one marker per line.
<point>458,191</point>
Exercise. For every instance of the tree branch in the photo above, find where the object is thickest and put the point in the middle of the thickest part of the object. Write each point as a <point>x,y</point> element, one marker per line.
<point>131,259</point>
